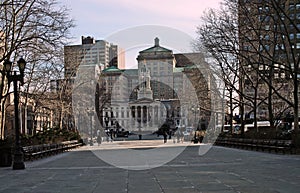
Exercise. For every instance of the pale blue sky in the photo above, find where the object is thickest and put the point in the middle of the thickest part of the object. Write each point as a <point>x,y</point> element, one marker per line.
<point>102,18</point>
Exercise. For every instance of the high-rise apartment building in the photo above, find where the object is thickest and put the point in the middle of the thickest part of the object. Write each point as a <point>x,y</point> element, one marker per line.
<point>92,52</point>
<point>269,41</point>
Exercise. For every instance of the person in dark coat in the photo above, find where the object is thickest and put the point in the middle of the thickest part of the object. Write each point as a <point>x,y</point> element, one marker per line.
<point>165,136</point>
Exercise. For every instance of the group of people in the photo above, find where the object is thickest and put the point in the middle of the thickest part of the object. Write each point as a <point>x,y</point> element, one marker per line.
<point>178,136</point>
<point>198,136</point>
<point>109,136</point>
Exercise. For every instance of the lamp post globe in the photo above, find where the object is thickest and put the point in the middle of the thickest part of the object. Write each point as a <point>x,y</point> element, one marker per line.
<point>7,65</point>
<point>21,64</point>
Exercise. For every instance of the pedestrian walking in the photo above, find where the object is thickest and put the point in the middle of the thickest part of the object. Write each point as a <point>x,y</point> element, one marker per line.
<point>99,139</point>
<point>111,134</point>
<point>165,136</point>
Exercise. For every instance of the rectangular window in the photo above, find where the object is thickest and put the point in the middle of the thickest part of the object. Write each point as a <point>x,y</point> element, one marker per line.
<point>267,27</point>
<point>267,47</point>
<point>267,37</point>
<point>282,16</point>
<point>246,48</point>
<point>261,37</point>
<point>267,9</point>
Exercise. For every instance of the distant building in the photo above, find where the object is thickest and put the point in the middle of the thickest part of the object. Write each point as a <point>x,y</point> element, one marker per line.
<point>160,62</point>
<point>269,41</point>
<point>36,116</point>
<point>157,92</point>
<point>92,52</point>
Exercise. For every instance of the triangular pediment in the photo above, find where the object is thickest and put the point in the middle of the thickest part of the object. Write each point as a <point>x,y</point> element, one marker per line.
<point>156,49</point>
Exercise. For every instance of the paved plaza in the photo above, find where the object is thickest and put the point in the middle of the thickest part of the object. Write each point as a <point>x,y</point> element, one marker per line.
<point>221,170</point>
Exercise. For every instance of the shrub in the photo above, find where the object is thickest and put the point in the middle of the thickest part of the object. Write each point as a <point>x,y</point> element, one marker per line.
<point>50,136</point>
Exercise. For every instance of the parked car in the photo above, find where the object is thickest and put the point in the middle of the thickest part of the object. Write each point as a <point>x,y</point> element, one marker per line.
<point>188,130</point>
<point>122,133</point>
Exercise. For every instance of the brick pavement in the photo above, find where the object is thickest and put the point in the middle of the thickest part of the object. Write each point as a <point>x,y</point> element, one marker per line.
<point>220,170</point>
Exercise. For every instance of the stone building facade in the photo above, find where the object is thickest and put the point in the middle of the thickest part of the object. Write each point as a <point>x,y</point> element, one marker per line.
<point>158,92</point>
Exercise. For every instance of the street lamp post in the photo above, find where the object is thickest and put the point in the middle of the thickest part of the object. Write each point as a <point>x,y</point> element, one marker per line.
<point>106,120</point>
<point>90,114</point>
<point>12,76</point>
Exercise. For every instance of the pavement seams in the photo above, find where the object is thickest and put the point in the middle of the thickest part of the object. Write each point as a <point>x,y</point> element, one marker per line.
<point>44,161</point>
<point>137,144</point>
<point>220,170</point>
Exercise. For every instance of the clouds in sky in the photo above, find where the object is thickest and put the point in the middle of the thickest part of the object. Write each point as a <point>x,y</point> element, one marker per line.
<point>103,19</point>
<point>100,18</point>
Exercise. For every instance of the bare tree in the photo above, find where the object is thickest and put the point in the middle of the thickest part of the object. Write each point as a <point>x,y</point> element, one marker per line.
<point>35,30</point>
<point>257,37</point>
<point>219,36</point>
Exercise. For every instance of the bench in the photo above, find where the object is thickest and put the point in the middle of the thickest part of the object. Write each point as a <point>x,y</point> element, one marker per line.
<point>277,146</point>
<point>67,145</point>
<point>39,151</point>
<point>286,145</point>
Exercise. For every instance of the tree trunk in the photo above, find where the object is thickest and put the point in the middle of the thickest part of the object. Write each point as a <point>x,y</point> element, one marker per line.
<point>296,104</point>
<point>61,118</point>
<point>3,118</point>
<point>255,110</point>
<point>242,113</point>
<point>270,106</point>
<point>231,111</point>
